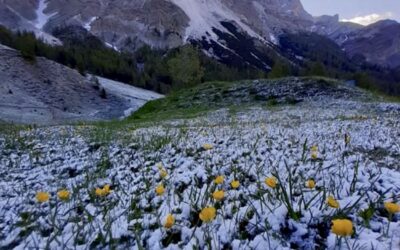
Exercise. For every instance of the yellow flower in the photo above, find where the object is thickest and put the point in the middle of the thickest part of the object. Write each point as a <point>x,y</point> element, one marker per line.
<point>207,146</point>
<point>218,195</point>
<point>106,189</point>
<point>103,191</point>
<point>42,197</point>
<point>271,182</point>
<point>342,227</point>
<point>63,195</point>
<point>219,179</point>
<point>332,202</point>
<point>207,214</point>
<point>310,184</point>
<point>235,184</point>
<point>392,208</point>
<point>169,221</point>
<point>160,189</point>
<point>163,173</point>
<point>100,192</point>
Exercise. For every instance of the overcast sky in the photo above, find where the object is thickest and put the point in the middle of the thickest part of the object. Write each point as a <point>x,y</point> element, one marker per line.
<point>359,11</point>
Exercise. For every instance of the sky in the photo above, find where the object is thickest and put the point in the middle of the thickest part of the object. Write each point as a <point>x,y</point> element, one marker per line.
<point>359,11</point>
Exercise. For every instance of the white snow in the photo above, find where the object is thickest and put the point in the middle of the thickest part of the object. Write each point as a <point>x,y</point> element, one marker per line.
<point>42,18</point>
<point>112,46</point>
<point>36,26</point>
<point>137,97</point>
<point>207,14</point>
<point>127,90</point>
<point>273,39</point>
<point>88,25</point>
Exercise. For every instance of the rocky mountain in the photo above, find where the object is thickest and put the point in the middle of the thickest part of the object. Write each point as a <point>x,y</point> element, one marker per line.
<point>221,27</point>
<point>378,43</point>
<point>45,92</point>
<point>160,23</point>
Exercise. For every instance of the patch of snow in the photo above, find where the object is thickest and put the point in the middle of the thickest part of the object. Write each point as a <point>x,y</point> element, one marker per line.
<point>111,46</point>
<point>273,39</point>
<point>42,18</point>
<point>88,25</point>
<point>137,97</point>
<point>46,37</point>
<point>31,27</point>
<point>205,15</point>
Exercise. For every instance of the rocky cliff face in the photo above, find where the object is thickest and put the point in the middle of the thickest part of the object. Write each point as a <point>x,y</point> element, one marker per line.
<point>129,24</point>
<point>160,23</point>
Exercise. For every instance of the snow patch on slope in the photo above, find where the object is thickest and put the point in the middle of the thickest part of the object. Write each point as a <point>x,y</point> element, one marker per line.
<point>32,26</point>
<point>88,25</point>
<point>207,14</point>
<point>137,97</point>
<point>42,18</point>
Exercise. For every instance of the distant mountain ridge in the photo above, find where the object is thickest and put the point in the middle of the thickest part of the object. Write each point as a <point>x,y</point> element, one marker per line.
<point>130,24</point>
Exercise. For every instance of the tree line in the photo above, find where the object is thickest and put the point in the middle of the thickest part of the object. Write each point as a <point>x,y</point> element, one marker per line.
<point>158,70</point>
<point>164,71</point>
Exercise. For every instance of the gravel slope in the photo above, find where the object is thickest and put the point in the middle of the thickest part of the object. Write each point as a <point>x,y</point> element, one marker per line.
<point>45,92</point>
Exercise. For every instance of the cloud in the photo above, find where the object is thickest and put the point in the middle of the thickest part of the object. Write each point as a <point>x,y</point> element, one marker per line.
<point>368,19</point>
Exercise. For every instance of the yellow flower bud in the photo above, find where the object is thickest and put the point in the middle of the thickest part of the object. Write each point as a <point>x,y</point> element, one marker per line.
<point>271,182</point>
<point>332,202</point>
<point>310,184</point>
<point>314,152</point>
<point>160,190</point>
<point>207,146</point>
<point>314,155</point>
<point>169,221</point>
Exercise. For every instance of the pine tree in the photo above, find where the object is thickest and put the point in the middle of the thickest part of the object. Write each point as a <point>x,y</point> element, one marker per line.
<point>185,68</point>
<point>279,70</point>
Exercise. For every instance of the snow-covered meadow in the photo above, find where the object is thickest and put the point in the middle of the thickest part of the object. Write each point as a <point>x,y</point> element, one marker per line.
<point>350,150</point>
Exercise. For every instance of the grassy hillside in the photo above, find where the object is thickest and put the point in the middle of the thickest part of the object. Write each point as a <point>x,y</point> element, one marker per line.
<point>191,102</point>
